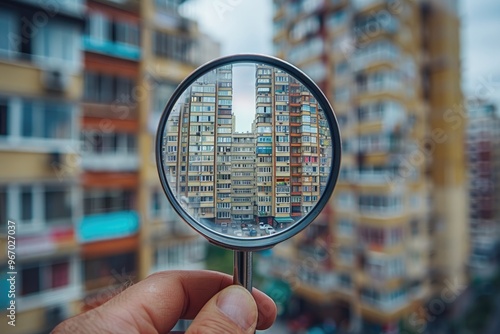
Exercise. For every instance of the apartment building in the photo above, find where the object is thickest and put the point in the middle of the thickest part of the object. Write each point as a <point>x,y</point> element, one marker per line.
<point>290,159</point>
<point>243,202</point>
<point>390,70</point>
<point>482,146</point>
<point>40,88</point>
<point>109,229</point>
<point>172,47</point>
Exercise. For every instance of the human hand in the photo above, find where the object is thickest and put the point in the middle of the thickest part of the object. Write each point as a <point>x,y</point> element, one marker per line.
<point>155,304</point>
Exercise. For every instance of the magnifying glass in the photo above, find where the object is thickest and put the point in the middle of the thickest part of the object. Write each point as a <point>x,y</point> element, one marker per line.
<point>248,153</point>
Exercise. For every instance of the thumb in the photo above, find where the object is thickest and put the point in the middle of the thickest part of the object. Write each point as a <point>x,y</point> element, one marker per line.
<point>231,311</point>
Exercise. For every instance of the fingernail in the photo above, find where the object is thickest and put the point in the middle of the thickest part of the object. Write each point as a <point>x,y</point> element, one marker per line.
<point>238,305</point>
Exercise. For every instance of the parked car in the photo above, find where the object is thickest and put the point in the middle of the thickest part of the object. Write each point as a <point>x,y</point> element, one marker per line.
<point>270,230</point>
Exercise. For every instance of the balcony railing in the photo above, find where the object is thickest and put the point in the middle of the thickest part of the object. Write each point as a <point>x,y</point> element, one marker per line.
<point>364,59</point>
<point>111,48</point>
<point>108,226</point>
<point>110,162</point>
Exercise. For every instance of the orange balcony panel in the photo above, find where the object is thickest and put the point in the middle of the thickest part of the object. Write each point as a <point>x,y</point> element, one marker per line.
<point>115,180</point>
<point>110,125</point>
<point>110,247</point>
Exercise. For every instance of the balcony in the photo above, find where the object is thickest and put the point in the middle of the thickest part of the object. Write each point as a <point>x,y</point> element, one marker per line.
<point>110,48</point>
<point>72,8</point>
<point>383,84</point>
<point>108,226</point>
<point>119,162</point>
<point>374,54</point>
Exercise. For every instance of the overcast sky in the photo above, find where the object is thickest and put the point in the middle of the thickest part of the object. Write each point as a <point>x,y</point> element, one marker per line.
<point>246,26</point>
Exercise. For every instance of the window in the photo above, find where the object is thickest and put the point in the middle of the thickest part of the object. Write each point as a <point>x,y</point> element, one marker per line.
<point>264,179</point>
<point>282,149</point>
<point>282,159</point>
<point>265,139</point>
<point>127,33</point>
<point>283,199</point>
<point>46,120</point>
<point>37,278</point>
<point>266,209</point>
<point>57,203</point>
<point>223,205</point>
<point>106,88</point>
<point>345,227</point>
<point>346,255</point>
<point>264,149</point>
<point>162,93</point>
<point>114,143</point>
<point>3,206</point>
<point>172,46</point>
<point>97,26</point>
<point>102,201</point>
<point>4,118</point>
<point>263,110</point>
<point>380,203</point>
<point>8,28</point>
<point>26,201</point>
<point>282,139</point>
<point>59,43</point>
<point>282,128</point>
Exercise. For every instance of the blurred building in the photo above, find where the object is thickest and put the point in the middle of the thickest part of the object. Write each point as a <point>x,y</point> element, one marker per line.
<point>83,84</point>
<point>483,148</point>
<point>109,228</point>
<point>172,47</point>
<point>391,70</point>
<point>40,89</point>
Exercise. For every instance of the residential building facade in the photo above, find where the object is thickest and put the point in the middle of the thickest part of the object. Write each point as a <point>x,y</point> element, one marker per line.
<point>390,78</point>
<point>172,47</point>
<point>40,88</point>
<point>482,146</point>
<point>109,228</point>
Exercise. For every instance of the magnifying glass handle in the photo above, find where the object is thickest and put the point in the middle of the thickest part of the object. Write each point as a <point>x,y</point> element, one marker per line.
<point>242,272</point>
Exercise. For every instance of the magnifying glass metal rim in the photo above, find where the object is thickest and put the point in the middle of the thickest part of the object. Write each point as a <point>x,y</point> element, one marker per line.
<point>252,244</point>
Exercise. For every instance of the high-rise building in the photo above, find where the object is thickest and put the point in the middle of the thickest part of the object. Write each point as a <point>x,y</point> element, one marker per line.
<point>483,149</point>
<point>222,176</point>
<point>290,161</point>
<point>391,71</point>
<point>109,229</point>
<point>172,47</point>
<point>243,203</point>
<point>40,90</point>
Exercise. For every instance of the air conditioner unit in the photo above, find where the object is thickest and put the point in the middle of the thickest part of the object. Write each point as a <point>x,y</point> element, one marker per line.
<point>55,80</point>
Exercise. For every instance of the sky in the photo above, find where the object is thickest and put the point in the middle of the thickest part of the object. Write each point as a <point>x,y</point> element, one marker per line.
<point>246,26</point>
